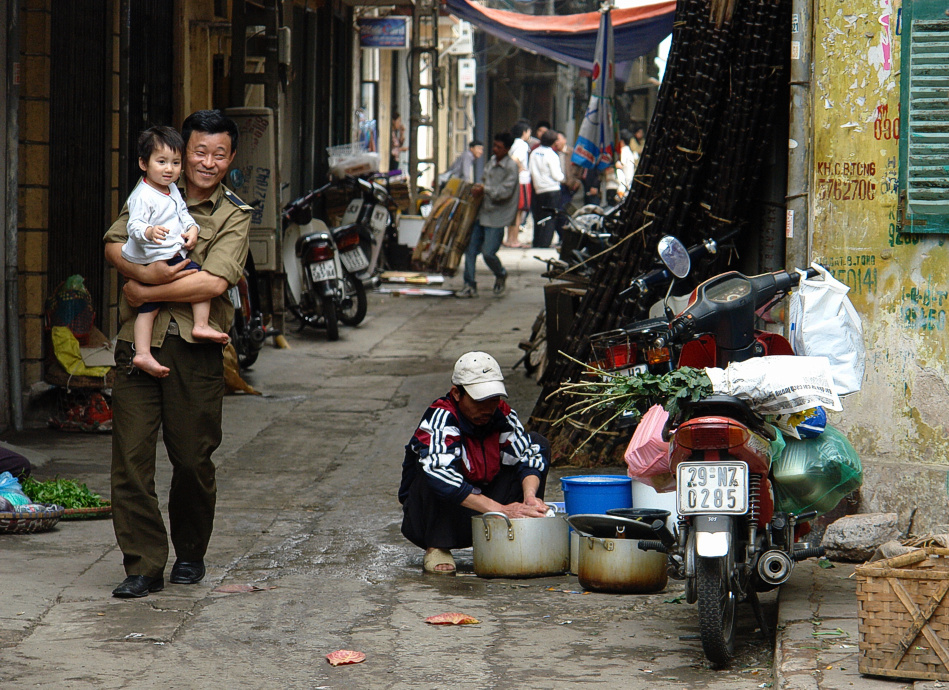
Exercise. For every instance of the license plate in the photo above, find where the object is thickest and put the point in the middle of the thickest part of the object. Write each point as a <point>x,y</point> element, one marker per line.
<point>354,260</point>
<point>324,270</point>
<point>712,487</point>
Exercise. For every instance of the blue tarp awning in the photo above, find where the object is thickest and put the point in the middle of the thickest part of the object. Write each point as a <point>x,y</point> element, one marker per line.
<point>571,38</point>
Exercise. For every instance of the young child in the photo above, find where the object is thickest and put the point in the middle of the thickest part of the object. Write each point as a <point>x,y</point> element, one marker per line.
<point>161,229</point>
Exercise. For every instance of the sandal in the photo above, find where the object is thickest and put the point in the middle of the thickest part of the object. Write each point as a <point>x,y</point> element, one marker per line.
<point>436,557</point>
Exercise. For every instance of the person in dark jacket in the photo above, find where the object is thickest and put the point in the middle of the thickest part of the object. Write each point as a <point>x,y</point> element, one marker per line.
<point>469,455</point>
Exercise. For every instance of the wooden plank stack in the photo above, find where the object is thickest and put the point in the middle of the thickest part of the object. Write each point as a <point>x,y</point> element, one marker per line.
<point>447,229</point>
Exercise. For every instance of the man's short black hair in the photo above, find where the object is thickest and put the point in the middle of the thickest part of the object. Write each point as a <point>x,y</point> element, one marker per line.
<point>505,138</point>
<point>517,131</point>
<point>154,138</point>
<point>475,142</point>
<point>625,135</point>
<point>542,123</point>
<point>549,138</point>
<point>210,122</point>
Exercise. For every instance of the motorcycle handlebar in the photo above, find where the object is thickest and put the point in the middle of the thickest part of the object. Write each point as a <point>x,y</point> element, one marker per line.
<point>766,285</point>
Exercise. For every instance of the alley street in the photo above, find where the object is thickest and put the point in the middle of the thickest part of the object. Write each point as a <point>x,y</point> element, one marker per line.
<point>307,510</point>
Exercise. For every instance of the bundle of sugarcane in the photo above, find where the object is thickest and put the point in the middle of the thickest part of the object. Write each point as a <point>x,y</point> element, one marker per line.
<point>697,178</point>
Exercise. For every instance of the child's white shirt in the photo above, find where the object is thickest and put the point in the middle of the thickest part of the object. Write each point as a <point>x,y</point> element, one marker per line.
<point>149,207</point>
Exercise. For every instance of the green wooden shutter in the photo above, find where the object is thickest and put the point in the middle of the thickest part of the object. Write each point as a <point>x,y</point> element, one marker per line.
<point>924,125</point>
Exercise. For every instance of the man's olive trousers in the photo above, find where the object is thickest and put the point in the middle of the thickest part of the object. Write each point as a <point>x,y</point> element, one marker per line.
<point>186,406</point>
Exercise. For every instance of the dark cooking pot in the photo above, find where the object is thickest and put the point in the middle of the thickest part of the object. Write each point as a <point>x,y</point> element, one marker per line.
<point>609,558</point>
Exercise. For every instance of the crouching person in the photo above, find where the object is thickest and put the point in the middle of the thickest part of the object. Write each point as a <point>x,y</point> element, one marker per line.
<point>469,455</point>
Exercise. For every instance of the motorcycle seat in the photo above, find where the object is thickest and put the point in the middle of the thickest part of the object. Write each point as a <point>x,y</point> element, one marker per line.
<point>728,406</point>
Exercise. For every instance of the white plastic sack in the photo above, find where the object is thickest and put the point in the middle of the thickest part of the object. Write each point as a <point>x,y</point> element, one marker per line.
<point>824,323</point>
<point>778,384</point>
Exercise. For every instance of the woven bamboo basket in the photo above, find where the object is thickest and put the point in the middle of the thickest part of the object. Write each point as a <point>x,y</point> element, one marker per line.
<point>904,615</point>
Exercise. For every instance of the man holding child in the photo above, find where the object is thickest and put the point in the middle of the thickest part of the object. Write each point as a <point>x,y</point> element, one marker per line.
<point>185,404</point>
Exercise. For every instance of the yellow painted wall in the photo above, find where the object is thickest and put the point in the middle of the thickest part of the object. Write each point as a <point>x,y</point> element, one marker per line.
<point>898,283</point>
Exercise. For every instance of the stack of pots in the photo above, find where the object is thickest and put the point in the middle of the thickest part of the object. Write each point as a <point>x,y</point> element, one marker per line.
<point>593,494</point>
<point>605,552</point>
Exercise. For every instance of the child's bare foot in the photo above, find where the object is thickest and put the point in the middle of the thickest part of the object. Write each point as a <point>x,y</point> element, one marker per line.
<point>208,333</point>
<point>150,365</point>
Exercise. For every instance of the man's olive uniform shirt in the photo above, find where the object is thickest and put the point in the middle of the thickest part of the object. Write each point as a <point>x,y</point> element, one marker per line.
<point>224,223</point>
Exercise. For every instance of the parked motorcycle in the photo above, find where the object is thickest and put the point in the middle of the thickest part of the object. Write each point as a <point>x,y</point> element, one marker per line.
<point>248,331</point>
<point>368,229</point>
<point>730,544</point>
<point>318,292</point>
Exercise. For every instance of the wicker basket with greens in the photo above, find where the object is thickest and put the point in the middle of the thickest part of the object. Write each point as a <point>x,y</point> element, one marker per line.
<point>63,492</point>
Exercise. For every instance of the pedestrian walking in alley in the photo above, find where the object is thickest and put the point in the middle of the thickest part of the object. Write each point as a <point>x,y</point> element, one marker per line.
<point>463,166</point>
<point>534,141</point>
<point>469,455</point>
<point>396,141</point>
<point>628,159</point>
<point>520,153</point>
<point>498,208</point>
<point>186,405</point>
<point>546,175</point>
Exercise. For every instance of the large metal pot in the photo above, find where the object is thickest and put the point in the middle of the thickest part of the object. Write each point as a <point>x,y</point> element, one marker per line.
<point>620,566</point>
<point>522,547</point>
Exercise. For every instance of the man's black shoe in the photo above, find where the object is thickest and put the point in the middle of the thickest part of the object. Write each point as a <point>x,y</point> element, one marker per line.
<point>187,572</point>
<point>136,586</point>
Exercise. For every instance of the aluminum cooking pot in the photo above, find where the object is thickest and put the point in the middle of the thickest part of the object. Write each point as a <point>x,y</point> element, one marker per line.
<point>522,547</point>
<point>620,566</point>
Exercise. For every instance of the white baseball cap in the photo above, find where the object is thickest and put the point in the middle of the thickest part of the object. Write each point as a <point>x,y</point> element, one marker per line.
<point>480,374</point>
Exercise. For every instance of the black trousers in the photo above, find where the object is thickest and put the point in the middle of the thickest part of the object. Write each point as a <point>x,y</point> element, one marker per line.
<point>430,522</point>
<point>544,232</point>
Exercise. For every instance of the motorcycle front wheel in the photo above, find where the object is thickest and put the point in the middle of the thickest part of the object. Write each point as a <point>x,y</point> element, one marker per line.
<point>716,609</point>
<point>356,312</point>
<point>330,318</point>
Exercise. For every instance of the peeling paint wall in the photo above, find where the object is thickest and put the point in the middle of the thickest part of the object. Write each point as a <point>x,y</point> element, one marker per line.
<point>899,422</point>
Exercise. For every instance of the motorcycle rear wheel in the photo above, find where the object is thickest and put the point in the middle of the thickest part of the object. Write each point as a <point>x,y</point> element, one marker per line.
<point>354,315</point>
<point>717,606</point>
<point>330,318</point>
<point>246,355</point>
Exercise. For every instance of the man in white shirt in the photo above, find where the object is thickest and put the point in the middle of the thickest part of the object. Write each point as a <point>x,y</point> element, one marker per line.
<point>520,154</point>
<point>546,175</point>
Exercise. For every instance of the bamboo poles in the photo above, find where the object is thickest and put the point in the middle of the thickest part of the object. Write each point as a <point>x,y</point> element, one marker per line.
<point>697,178</point>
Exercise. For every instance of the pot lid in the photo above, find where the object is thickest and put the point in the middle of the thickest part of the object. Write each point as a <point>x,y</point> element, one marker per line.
<point>608,526</point>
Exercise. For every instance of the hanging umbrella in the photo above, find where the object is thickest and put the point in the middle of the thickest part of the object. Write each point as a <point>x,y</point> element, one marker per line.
<point>594,147</point>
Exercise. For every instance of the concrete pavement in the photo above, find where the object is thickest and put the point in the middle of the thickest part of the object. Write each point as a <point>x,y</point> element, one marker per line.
<point>307,477</point>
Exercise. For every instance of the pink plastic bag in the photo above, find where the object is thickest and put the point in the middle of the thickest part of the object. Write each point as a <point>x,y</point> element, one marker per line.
<point>648,455</point>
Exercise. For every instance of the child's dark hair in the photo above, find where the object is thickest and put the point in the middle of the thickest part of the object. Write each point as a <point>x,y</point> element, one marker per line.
<point>155,137</point>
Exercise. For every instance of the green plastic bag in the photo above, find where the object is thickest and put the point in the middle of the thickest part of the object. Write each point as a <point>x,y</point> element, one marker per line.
<point>815,473</point>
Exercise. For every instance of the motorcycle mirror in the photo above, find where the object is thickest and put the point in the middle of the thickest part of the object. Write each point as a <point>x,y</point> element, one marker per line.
<point>675,256</point>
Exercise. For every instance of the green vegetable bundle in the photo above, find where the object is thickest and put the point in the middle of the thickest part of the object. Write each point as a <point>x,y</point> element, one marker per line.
<point>62,492</point>
<point>633,394</point>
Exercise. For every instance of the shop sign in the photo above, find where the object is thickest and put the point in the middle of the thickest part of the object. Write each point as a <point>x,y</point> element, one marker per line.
<point>384,32</point>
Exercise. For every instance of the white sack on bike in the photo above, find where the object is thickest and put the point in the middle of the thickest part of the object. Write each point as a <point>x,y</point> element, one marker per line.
<point>778,384</point>
<point>824,323</point>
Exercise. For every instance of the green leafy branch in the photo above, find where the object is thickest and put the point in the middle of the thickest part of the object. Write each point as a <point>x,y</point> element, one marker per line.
<point>628,394</point>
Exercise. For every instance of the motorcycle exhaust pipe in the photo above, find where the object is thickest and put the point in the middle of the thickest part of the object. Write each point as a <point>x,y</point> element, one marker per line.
<point>812,552</point>
<point>774,567</point>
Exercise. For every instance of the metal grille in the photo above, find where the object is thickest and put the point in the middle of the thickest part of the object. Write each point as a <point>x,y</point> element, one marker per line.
<point>80,142</point>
